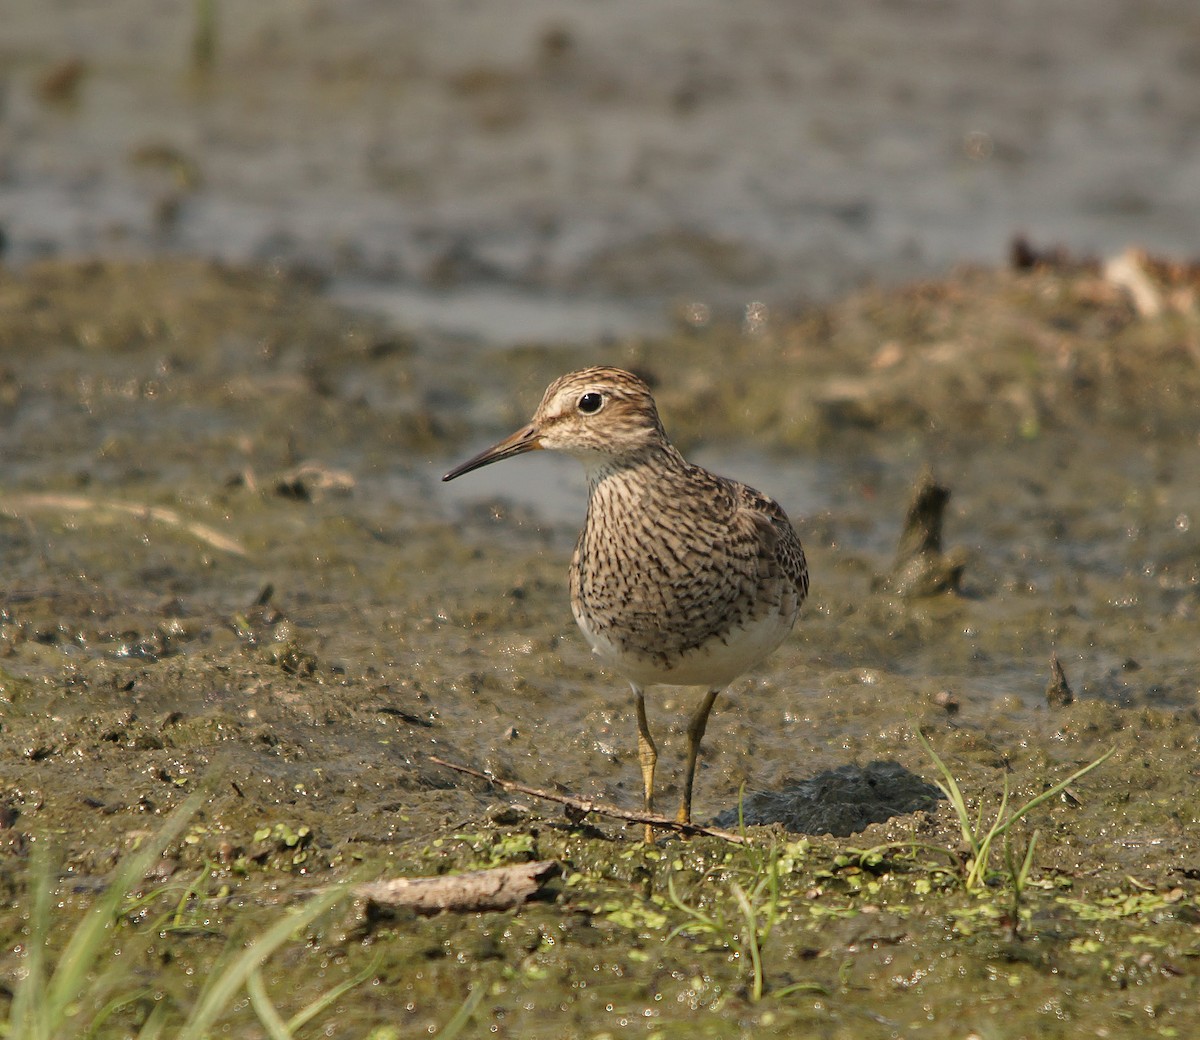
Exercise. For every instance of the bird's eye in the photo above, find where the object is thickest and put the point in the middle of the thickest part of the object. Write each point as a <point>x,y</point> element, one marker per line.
<point>590,403</point>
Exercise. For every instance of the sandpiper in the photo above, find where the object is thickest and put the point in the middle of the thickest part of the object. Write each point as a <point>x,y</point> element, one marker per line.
<point>680,577</point>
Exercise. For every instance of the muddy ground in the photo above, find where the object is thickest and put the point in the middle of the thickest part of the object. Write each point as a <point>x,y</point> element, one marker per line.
<point>229,566</point>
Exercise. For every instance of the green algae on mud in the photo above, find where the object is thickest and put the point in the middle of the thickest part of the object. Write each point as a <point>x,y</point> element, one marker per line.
<point>366,624</point>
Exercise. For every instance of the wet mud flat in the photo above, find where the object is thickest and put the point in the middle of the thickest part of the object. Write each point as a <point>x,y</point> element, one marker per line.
<point>229,568</point>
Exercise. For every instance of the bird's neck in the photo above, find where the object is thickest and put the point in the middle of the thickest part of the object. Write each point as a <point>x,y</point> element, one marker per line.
<point>650,471</point>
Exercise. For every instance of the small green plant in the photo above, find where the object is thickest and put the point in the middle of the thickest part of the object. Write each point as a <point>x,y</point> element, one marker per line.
<point>51,999</point>
<point>746,931</point>
<point>1018,876</point>
<point>46,998</point>
<point>495,849</point>
<point>745,926</point>
<point>243,971</point>
<point>980,841</point>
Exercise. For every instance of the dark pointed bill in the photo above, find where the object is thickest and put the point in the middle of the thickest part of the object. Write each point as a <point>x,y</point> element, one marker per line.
<point>525,439</point>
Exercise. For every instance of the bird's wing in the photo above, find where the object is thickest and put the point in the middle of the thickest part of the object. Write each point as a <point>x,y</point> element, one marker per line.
<point>782,545</point>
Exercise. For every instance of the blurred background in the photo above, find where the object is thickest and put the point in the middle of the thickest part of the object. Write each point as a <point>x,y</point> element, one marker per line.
<point>546,170</point>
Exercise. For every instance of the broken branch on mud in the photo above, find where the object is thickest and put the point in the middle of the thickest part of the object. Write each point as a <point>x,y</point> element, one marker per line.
<point>583,806</point>
<point>500,888</point>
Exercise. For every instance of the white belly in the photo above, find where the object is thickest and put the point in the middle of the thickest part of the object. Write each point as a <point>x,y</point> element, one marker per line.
<point>714,664</point>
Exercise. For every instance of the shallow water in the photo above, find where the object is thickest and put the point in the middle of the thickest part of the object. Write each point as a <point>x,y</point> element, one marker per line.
<point>542,173</point>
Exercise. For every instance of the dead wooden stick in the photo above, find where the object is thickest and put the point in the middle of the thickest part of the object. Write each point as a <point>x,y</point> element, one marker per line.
<point>20,505</point>
<point>586,805</point>
<point>500,888</point>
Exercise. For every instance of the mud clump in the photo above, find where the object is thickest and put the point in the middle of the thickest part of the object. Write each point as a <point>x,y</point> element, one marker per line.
<point>921,568</point>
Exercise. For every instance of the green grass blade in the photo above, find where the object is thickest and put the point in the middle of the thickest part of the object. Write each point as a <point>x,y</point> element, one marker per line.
<point>997,826</point>
<point>772,910</point>
<point>801,987</point>
<point>306,1014</point>
<point>224,985</point>
<point>704,920</point>
<point>953,793</point>
<point>1057,789</point>
<point>1027,862</point>
<point>70,977</point>
<point>121,1000</point>
<point>28,1012</point>
<point>272,1022</point>
<point>750,942</point>
<point>153,1027</point>
<point>462,1016</point>
<point>193,889</point>
<point>977,876</point>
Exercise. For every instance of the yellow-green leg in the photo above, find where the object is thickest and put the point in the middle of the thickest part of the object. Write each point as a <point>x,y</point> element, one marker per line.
<point>647,757</point>
<point>695,734</point>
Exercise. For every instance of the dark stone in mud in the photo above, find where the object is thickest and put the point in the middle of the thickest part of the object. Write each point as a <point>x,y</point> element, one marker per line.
<point>838,801</point>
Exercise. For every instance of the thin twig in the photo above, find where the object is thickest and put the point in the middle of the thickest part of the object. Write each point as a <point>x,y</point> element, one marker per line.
<point>586,805</point>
